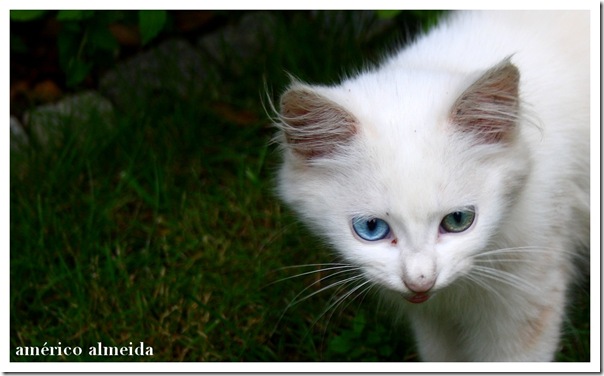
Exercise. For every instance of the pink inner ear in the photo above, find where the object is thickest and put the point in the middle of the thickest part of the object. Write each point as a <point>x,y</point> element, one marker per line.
<point>313,125</point>
<point>489,107</point>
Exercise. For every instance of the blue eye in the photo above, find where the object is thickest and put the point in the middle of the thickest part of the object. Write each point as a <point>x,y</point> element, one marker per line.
<point>458,221</point>
<point>372,229</point>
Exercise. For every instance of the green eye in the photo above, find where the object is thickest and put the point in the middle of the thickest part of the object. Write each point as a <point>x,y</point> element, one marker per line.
<point>457,221</point>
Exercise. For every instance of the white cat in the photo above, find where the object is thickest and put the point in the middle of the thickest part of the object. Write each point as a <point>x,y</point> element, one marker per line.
<point>455,177</point>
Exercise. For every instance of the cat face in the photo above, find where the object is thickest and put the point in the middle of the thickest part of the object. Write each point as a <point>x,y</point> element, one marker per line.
<point>409,193</point>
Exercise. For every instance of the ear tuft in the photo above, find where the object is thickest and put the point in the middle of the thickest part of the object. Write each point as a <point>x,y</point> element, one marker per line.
<point>313,125</point>
<point>489,108</point>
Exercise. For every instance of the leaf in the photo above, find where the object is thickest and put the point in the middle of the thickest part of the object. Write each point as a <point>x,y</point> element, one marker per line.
<point>26,15</point>
<point>76,71</point>
<point>386,14</point>
<point>101,38</point>
<point>150,23</point>
<point>17,45</point>
<point>385,350</point>
<point>68,43</point>
<point>428,18</point>
<point>74,15</point>
<point>358,324</point>
<point>340,345</point>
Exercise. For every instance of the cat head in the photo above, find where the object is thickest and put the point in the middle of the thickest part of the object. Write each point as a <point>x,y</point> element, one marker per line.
<point>407,174</point>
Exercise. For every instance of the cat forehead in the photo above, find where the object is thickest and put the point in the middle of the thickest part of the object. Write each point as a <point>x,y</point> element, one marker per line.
<point>405,120</point>
<point>411,180</point>
<point>402,97</point>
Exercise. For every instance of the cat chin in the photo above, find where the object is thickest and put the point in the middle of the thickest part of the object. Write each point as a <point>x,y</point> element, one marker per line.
<point>418,298</point>
<point>414,298</point>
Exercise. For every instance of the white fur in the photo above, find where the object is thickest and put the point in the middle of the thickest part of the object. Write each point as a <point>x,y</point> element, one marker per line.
<point>405,165</point>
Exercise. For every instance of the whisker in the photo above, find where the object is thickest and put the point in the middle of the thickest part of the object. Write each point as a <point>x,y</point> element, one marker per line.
<point>526,250</point>
<point>334,267</point>
<point>340,299</point>
<point>297,300</point>
<point>504,277</point>
<point>314,265</point>
<point>362,292</point>
<point>483,284</point>
<point>350,281</point>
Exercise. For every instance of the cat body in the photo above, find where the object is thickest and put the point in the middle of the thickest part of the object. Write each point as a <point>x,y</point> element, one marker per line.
<point>455,177</point>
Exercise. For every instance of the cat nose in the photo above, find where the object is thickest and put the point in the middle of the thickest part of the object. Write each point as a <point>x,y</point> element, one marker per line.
<point>419,272</point>
<point>420,284</point>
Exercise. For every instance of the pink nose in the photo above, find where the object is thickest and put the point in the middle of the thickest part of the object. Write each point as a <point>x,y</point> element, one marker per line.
<point>421,284</point>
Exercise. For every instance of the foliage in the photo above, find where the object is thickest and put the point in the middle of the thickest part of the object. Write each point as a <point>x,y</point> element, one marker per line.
<point>427,18</point>
<point>368,341</point>
<point>85,41</point>
<point>26,15</point>
<point>151,23</point>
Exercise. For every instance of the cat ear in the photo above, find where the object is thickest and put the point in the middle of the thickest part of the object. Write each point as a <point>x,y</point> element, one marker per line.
<point>489,107</point>
<point>313,125</point>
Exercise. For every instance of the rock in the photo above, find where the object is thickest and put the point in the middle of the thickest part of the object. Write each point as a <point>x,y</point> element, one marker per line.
<point>237,44</point>
<point>18,137</point>
<point>183,71</point>
<point>174,67</point>
<point>47,122</point>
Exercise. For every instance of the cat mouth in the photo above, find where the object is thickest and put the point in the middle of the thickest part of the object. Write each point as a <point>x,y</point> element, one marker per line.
<point>418,298</point>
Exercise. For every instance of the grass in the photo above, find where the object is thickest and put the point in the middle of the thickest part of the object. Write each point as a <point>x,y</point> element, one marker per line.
<point>162,227</point>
